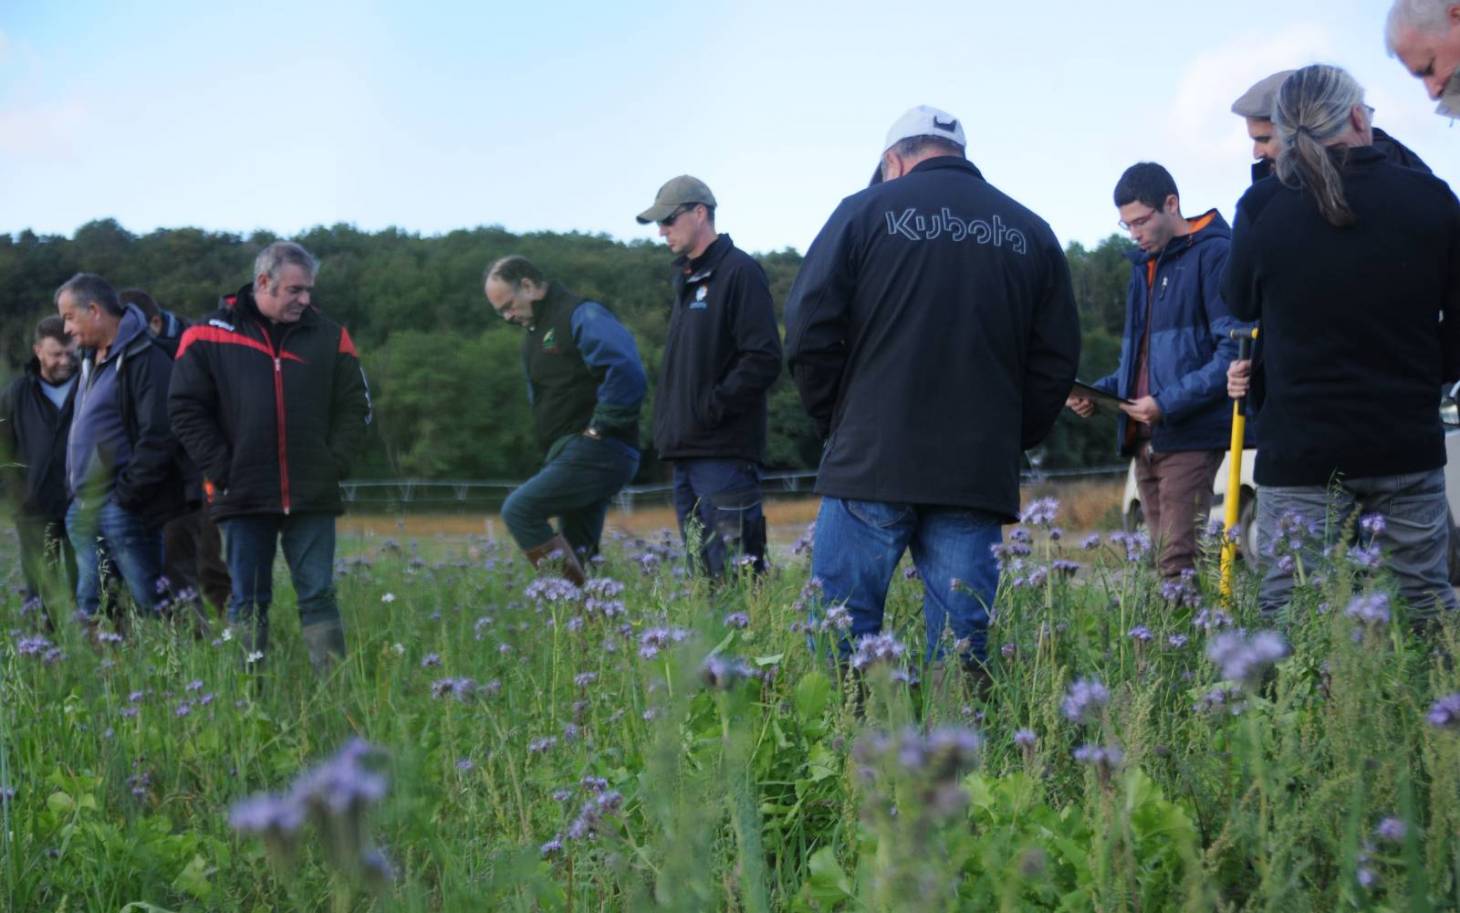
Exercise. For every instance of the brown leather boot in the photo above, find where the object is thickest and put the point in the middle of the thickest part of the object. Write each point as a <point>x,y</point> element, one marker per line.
<point>558,555</point>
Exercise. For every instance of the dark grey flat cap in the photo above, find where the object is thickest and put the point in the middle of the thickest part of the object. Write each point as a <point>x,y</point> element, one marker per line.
<point>677,192</point>
<point>1258,101</point>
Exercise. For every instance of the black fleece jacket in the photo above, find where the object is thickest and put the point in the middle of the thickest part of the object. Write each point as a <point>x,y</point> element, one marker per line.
<point>1360,325</point>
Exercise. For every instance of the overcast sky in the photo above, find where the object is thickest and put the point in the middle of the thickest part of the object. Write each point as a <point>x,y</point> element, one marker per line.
<point>568,116</point>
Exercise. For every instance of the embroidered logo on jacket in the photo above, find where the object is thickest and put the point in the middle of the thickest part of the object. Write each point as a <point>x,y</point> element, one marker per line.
<point>550,341</point>
<point>222,325</point>
<point>915,226</point>
<point>700,303</point>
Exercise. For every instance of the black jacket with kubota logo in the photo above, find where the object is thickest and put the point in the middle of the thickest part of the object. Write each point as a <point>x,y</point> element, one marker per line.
<point>933,336</point>
<point>722,354</point>
<point>271,413</point>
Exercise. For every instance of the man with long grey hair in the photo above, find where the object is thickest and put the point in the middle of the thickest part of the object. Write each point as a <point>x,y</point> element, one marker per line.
<point>1425,36</point>
<point>270,401</point>
<point>1352,265</point>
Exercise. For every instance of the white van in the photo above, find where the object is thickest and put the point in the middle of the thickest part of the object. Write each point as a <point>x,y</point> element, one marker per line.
<point>1132,517</point>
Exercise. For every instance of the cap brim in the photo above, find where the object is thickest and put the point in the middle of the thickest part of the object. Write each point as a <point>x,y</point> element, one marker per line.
<point>655,214</point>
<point>876,175</point>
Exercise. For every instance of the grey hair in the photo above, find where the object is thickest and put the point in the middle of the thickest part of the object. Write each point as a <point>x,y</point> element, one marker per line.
<point>281,254</point>
<point>917,145</point>
<point>1423,15</point>
<point>90,289</point>
<point>1311,111</point>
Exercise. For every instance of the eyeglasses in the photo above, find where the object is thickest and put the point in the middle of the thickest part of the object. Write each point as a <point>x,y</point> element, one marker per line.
<point>1133,224</point>
<point>674,216</point>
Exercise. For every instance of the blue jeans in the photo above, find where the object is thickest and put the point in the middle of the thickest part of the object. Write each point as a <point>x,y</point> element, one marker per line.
<point>108,532</point>
<point>724,497</point>
<point>575,485</point>
<point>859,544</point>
<point>250,543</point>
<point>1414,542</point>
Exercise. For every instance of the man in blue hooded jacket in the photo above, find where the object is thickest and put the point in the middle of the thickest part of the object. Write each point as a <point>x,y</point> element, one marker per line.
<point>1173,360</point>
<point>122,471</point>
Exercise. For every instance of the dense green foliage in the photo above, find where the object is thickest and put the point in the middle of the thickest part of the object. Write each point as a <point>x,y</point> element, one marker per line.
<point>550,752</point>
<point>444,370</point>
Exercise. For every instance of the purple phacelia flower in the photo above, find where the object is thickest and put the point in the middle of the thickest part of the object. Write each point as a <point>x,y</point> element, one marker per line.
<point>1040,512</point>
<point>1373,524</point>
<point>1244,658</point>
<point>584,679</point>
<point>431,661</point>
<point>1140,634</point>
<point>1371,610</point>
<point>877,648</point>
<point>1084,701</point>
<point>1391,829</point>
<point>1177,641</point>
<point>1025,738</point>
<point>1090,542</point>
<point>1445,713</point>
<point>739,620</point>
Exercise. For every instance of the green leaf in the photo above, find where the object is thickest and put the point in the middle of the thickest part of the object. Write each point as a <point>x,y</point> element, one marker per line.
<point>193,879</point>
<point>827,884</point>
<point>813,693</point>
<point>60,803</point>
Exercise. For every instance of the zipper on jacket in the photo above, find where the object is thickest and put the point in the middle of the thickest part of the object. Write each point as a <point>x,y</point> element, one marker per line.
<point>279,416</point>
<point>283,448</point>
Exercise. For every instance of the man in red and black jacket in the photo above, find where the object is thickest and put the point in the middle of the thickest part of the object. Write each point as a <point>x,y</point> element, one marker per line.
<point>270,401</point>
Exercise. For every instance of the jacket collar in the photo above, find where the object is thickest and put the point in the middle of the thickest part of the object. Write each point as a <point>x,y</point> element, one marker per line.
<point>1206,227</point>
<point>244,305</point>
<point>948,163</point>
<point>703,265</point>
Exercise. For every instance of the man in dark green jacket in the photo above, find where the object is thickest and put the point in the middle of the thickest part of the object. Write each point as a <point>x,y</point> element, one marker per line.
<point>585,383</point>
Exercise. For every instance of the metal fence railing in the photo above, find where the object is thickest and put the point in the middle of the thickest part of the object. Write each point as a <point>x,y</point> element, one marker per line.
<point>447,493</point>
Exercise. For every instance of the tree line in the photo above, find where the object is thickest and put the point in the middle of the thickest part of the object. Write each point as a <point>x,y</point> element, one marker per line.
<point>445,372</point>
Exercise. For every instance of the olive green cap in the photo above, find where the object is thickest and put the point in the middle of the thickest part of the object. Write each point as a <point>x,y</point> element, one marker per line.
<point>680,191</point>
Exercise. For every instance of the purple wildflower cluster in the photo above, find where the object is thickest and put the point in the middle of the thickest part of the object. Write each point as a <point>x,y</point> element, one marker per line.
<point>333,796</point>
<point>600,803</point>
<point>654,640</point>
<point>873,649</point>
<point>1369,612</point>
<point>725,672</point>
<point>1104,758</point>
<point>1391,830</point>
<point>40,648</point>
<point>1244,658</point>
<point>737,620</point>
<point>1182,590</point>
<point>935,762</point>
<point>1084,701</point>
<point>1223,700</point>
<point>462,689</point>
<point>1445,713</point>
<point>1040,512</point>
<point>1137,545</point>
<point>552,589</point>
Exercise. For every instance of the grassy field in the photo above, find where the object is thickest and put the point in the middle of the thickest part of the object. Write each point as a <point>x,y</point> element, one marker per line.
<point>650,744</point>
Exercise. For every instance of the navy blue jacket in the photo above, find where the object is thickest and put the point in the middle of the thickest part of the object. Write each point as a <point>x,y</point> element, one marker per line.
<point>33,446</point>
<point>933,337</point>
<point>1189,348</point>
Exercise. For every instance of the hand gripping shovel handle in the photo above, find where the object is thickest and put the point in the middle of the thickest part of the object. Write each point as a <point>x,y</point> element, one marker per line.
<point>1232,500</point>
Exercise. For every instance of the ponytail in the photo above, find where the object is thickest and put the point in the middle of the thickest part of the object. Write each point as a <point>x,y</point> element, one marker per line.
<point>1312,110</point>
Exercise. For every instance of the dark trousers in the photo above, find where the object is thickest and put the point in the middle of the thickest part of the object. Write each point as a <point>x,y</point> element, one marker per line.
<point>48,563</point>
<point>309,550</point>
<point>719,506</point>
<point>575,485</point>
<point>192,558</point>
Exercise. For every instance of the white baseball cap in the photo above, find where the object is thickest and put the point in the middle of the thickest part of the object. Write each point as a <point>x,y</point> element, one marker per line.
<point>923,120</point>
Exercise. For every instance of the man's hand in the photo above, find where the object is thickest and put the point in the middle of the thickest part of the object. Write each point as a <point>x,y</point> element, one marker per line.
<point>1144,410</point>
<point>1081,406</point>
<point>1239,377</point>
